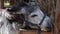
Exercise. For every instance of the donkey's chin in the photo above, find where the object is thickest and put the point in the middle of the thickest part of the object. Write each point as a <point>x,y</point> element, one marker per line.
<point>17,26</point>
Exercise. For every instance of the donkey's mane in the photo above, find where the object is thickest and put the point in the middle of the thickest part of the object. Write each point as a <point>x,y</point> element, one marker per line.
<point>17,6</point>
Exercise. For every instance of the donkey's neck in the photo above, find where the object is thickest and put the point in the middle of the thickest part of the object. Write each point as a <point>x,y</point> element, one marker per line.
<point>6,27</point>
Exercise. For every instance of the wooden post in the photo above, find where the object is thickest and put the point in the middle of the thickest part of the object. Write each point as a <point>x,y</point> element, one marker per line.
<point>49,5</point>
<point>12,2</point>
<point>0,4</point>
<point>57,18</point>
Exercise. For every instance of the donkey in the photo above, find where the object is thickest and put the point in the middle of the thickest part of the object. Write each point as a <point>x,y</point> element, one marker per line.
<point>33,15</point>
<point>20,15</point>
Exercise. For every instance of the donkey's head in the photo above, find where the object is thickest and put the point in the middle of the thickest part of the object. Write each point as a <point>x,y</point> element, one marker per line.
<point>29,13</point>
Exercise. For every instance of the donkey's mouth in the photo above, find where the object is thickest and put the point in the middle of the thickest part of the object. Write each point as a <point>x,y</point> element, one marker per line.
<point>18,26</point>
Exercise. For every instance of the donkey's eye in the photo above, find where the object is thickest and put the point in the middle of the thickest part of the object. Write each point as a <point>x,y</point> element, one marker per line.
<point>33,15</point>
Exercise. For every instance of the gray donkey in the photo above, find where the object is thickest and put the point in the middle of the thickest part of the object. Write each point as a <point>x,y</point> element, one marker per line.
<point>21,15</point>
<point>34,17</point>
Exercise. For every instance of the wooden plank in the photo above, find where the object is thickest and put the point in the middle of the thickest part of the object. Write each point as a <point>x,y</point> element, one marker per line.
<point>45,32</point>
<point>57,18</point>
<point>33,32</point>
<point>29,32</point>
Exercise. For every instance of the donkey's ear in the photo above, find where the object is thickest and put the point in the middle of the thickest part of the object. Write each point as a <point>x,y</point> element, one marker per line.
<point>26,1</point>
